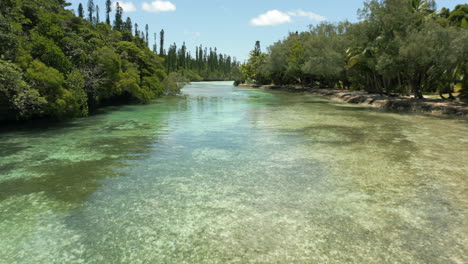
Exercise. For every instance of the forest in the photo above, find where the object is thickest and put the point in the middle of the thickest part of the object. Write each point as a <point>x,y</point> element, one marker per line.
<point>398,47</point>
<point>56,64</point>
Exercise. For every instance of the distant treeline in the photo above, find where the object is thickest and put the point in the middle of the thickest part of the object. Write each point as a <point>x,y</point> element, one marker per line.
<point>57,65</point>
<point>205,65</point>
<point>399,46</point>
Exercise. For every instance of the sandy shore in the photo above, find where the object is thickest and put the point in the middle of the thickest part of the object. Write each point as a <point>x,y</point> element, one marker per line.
<point>432,106</point>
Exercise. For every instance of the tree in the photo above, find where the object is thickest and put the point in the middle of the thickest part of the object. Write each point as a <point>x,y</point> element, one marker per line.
<point>161,43</point>
<point>91,9</point>
<point>137,33</point>
<point>444,13</point>
<point>155,45</point>
<point>257,50</point>
<point>128,25</point>
<point>108,11</point>
<point>461,53</point>
<point>9,42</point>
<point>130,83</point>
<point>16,96</point>
<point>48,52</point>
<point>97,15</point>
<point>459,16</point>
<point>80,11</point>
<point>50,84</point>
<point>175,82</point>
<point>118,22</point>
<point>75,84</point>
<point>147,34</point>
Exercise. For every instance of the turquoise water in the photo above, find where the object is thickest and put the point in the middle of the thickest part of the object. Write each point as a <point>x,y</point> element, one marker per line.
<point>229,175</point>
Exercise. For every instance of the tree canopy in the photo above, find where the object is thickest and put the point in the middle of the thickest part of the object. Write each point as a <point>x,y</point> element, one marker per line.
<point>399,46</point>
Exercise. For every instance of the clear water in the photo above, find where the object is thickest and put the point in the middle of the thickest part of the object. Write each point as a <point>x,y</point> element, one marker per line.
<point>228,175</point>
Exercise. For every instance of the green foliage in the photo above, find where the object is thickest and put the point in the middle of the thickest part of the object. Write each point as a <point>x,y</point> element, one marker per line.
<point>45,79</point>
<point>153,85</point>
<point>174,83</point>
<point>130,83</point>
<point>49,82</point>
<point>191,75</point>
<point>110,68</point>
<point>253,71</point>
<point>8,41</point>
<point>295,61</point>
<point>17,98</point>
<point>49,26</point>
<point>47,51</point>
<point>75,83</point>
<point>459,16</point>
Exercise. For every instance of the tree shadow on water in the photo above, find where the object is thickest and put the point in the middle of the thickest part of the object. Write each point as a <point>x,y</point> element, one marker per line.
<point>69,182</point>
<point>73,181</point>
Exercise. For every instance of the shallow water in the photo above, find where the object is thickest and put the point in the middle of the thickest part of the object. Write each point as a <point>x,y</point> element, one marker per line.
<point>228,175</point>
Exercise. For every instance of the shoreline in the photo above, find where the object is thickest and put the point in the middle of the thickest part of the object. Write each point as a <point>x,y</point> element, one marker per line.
<point>432,106</point>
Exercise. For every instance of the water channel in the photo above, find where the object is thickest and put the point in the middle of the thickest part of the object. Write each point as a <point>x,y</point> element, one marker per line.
<point>231,175</point>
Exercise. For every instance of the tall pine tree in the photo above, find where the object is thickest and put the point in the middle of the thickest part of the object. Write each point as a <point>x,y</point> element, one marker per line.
<point>97,14</point>
<point>80,11</point>
<point>108,10</point>
<point>161,43</point>
<point>118,23</point>
<point>128,25</point>
<point>155,45</point>
<point>91,7</point>
<point>257,49</point>
<point>147,33</point>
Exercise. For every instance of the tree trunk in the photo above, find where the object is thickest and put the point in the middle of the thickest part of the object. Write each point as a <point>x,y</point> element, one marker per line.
<point>442,95</point>
<point>418,93</point>
<point>416,87</point>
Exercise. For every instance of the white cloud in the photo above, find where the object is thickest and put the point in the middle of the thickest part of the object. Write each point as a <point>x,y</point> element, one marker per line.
<point>126,6</point>
<point>271,18</point>
<point>276,17</point>
<point>159,6</point>
<point>310,15</point>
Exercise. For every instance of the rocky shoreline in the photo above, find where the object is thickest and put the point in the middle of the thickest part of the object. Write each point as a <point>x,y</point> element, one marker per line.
<point>433,106</point>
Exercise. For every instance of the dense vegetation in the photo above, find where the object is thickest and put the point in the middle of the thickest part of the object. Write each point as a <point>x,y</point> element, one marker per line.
<point>399,46</point>
<point>59,65</point>
<point>207,64</point>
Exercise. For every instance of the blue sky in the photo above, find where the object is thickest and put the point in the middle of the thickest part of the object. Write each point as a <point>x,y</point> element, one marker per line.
<point>233,26</point>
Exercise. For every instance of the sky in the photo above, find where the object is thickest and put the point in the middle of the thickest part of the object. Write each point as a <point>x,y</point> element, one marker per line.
<point>233,26</point>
